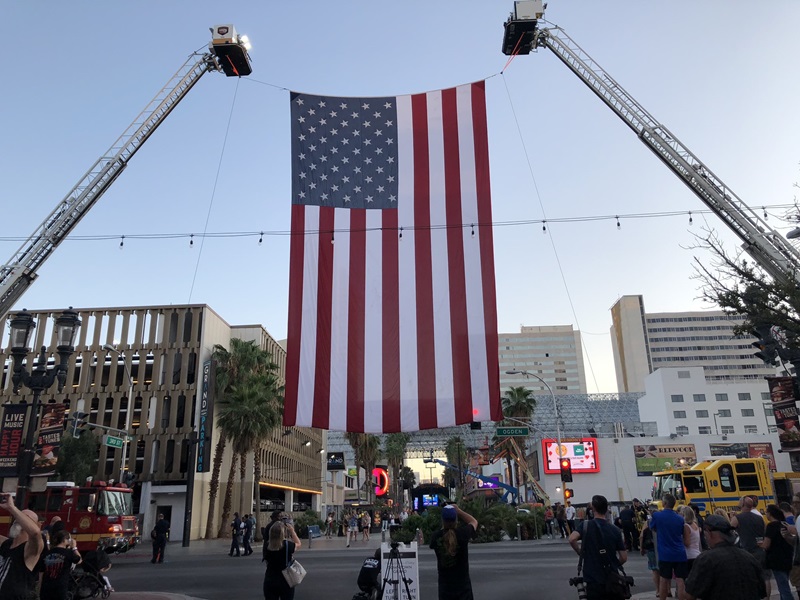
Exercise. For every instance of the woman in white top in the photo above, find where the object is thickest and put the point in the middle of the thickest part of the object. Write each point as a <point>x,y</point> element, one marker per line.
<point>692,541</point>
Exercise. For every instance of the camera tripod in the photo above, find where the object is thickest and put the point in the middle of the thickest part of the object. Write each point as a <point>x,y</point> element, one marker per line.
<point>395,573</point>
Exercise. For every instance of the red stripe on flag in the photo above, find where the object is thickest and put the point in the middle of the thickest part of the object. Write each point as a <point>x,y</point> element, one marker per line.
<point>295,313</point>
<point>426,357</point>
<point>459,329</point>
<point>487,248</point>
<point>322,360</point>
<point>390,293</point>
<point>356,313</point>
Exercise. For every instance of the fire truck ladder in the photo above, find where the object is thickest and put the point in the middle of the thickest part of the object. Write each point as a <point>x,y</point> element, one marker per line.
<point>520,458</point>
<point>767,247</point>
<point>19,273</point>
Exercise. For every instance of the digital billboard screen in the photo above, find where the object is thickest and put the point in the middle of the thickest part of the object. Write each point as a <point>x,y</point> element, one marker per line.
<point>582,454</point>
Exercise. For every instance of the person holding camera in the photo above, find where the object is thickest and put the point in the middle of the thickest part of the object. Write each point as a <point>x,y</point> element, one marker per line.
<point>19,552</point>
<point>601,547</point>
<point>278,552</point>
<point>451,545</point>
<point>57,564</point>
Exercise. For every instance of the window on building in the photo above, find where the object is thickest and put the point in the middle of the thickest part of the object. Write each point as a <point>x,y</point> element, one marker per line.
<point>721,397</point>
<point>765,396</point>
<point>724,413</point>
<point>677,397</point>
<point>750,429</point>
<point>699,397</point>
<point>744,396</point>
<point>704,430</point>
<point>684,375</point>
<point>748,412</point>
<point>679,414</point>
<point>701,414</point>
<point>727,429</point>
<point>682,430</point>
<point>772,428</point>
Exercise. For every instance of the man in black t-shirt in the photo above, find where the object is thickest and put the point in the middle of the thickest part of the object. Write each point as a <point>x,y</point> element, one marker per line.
<point>592,537</point>
<point>57,564</point>
<point>451,544</point>
<point>161,531</point>
<point>369,577</point>
<point>19,552</point>
<point>627,517</point>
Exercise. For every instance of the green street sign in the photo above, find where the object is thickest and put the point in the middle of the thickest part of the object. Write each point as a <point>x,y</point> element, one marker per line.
<point>578,450</point>
<point>512,431</point>
<point>112,442</point>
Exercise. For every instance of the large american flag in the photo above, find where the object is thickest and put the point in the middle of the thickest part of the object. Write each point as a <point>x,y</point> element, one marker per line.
<point>392,308</point>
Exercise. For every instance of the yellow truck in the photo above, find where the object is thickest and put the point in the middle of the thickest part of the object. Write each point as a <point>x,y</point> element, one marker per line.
<point>722,481</point>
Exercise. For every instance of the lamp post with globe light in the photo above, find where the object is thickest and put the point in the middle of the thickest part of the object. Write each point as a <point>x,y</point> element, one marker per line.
<point>555,407</point>
<point>38,379</point>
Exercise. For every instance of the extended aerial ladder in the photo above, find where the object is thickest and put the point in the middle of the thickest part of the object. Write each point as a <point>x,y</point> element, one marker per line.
<point>510,490</point>
<point>227,53</point>
<point>767,247</point>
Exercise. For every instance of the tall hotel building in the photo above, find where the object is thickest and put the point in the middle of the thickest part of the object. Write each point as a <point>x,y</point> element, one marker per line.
<point>553,353</point>
<point>644,342</point>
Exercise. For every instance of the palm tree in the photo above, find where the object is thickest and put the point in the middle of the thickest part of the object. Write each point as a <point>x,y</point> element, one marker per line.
<point>394,449</point>
<point>407,478</point>
<point>518,403</point>
<point>366,448</point>
<point>456,454</point>
<point>253,411</point>
<point>243,358</point>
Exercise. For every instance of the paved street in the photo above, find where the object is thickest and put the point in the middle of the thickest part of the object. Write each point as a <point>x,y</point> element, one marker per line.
<point>537,569</point>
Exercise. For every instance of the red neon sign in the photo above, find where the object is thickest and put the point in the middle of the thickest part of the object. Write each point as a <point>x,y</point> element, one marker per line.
<point>382,477</point>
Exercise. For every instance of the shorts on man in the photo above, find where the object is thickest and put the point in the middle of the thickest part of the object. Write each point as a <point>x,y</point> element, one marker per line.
<point>668,568</point>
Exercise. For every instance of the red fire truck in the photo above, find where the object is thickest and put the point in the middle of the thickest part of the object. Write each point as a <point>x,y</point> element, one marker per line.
<point>97,515</point>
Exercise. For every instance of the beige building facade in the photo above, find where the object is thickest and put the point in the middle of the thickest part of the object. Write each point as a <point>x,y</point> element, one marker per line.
<point>163,351</point>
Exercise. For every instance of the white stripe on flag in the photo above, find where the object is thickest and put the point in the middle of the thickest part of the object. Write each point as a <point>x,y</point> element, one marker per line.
<point>443,347</point>
<point>339,315</point>
<point>409,414</point>
<point>373,330</point>
<point>308,332</point>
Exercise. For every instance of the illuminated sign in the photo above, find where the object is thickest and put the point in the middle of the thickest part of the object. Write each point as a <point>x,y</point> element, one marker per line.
<point>381,476</point>
<point>582,453</point>
<point>335,461</point>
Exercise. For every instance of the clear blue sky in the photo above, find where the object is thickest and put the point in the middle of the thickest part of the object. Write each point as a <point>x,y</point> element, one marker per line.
<point>721,74</point>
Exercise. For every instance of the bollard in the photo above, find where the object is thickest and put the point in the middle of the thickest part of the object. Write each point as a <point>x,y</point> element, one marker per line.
<point>383,535</point>
<point>310,537</point>
<point>519,532</point>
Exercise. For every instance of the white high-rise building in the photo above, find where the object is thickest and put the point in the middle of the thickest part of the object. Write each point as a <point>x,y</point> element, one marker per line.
<point>552,352</point>
<point>644,342</point>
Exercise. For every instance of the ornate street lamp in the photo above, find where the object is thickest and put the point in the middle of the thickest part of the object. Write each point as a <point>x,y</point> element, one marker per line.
<point>39,378</point>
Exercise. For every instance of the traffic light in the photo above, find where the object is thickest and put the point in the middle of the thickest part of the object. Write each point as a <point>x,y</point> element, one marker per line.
<point>766,344</point>
<point>79,423</point>
<point>566,470</point>
<point>568,493</point>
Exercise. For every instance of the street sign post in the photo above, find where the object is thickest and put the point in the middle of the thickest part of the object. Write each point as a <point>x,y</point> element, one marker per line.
<point>112,442</point>
<point>512,432</point>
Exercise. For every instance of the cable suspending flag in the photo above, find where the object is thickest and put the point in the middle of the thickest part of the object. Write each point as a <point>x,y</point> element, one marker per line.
<point>392,307</point>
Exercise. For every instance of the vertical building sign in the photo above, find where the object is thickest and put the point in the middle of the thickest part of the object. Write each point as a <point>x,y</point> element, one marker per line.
<point>11,436</point>
<point>48,444</point>
<point>206,418</point>
<point>784,395</point>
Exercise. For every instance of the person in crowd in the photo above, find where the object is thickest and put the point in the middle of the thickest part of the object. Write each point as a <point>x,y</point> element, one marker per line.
<point>698,518</point>
<point>274,517</point>
<point>595,538</point>
<point>779,552</point>
<point>693,548</point>
<point>724,572</point>
<point>56,566</point>
<point>247,528</point>
<point>549,517</point>
<point>721,512</point>
<point>627,518</point>
<point>750,526</point>
<point>252,519</point>
<point>49,530</point>
<point>352,528</point>
<point>788,514</point>
<point>278,551</point>
<point>329,524</point>
<point>366,522</point>
<point>369,577</point>
<point>19,552</point>
<point>236,535</point>
<point>569,514</point>
<point>451,545</point>
<point>161,534</point>
<point>671,532</point>
<point>647,543</point>
<point>561,519</point>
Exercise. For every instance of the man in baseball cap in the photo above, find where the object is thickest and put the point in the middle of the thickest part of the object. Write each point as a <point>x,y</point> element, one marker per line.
<point>724,571</point>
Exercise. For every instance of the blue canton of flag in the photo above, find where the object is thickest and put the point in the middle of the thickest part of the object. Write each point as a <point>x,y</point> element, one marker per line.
<point>344,151</point>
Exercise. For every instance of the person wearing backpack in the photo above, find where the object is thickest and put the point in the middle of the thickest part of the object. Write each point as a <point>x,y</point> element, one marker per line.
<point>601,549</point>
